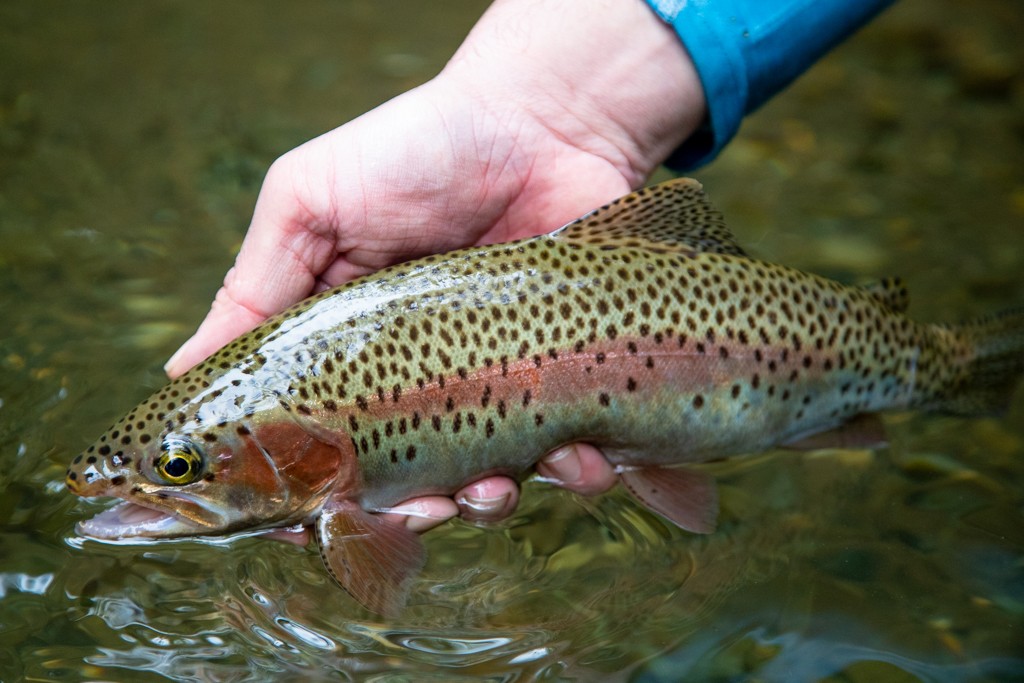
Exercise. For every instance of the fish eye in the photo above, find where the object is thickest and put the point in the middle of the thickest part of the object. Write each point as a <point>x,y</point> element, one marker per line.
<point>180,463</point>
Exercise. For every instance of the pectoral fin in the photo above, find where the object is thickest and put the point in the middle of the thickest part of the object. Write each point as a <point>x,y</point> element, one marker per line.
<point>373,559</point>
<point>685,497</point>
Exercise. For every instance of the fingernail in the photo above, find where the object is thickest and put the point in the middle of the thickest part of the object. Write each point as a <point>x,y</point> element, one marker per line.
<point>562,465</point>
<point>483,506</point>
<point>417,516</point>
<point>172,361</point>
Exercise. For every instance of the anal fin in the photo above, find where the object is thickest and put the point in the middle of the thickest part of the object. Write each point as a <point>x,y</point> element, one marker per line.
<point>685,497</point>
<point>373,559</point>
<point>861,431</point>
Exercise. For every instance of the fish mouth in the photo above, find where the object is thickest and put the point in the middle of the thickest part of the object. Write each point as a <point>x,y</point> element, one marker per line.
<point>131,520</point>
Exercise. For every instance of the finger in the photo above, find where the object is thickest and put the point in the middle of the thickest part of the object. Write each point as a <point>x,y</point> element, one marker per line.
<point>286,246</point>
<point>421,514</point>
<point>578,467</point>
<point>488,500</point>
<point>226,320</point>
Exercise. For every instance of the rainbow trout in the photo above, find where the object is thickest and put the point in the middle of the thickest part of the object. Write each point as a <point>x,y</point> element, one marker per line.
<point>641,328</point>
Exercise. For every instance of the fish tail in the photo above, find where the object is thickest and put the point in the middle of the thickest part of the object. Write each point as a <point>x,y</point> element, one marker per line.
<point>991,366</point>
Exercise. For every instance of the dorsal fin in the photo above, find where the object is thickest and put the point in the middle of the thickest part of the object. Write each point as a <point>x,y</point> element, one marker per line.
<point>891,292</point>
<point>673,215</point>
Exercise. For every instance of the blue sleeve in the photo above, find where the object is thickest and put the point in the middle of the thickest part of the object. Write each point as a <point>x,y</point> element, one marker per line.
<point>745,51</point>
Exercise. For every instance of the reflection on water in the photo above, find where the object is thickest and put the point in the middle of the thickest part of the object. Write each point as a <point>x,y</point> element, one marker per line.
<point>517,599</point>
<point>132,142</point>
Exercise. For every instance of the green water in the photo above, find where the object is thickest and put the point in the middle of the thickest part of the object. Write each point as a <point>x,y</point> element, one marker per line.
<point>133,138</point>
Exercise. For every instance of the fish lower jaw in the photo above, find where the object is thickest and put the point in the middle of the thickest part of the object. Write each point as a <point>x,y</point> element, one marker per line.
<point>129,520</point>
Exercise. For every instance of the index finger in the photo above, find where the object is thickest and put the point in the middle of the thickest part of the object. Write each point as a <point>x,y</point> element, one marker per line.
<point>276,267</point>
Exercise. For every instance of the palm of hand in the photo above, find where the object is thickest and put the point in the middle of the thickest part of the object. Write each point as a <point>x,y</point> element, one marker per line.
<point>386,188</point>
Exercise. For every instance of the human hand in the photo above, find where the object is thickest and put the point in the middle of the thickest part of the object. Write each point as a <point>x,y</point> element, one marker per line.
<point>512,139</point>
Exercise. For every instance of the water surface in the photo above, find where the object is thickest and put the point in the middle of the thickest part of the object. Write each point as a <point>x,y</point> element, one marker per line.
<point>133,138</point>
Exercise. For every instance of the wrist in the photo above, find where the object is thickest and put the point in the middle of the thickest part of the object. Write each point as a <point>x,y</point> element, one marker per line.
<point>609,78</point>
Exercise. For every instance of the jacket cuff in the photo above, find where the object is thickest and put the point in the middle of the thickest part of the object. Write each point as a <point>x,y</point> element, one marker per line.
<point>745,51</point>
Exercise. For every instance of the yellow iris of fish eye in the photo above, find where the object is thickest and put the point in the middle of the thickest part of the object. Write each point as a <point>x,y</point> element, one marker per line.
<point>179,466</point>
